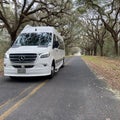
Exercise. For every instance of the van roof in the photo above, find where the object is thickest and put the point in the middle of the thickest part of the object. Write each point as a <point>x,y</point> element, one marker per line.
<point>30,29</point>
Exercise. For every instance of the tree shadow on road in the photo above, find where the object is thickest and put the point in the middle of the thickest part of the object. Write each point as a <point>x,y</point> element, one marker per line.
<point>25,79</point>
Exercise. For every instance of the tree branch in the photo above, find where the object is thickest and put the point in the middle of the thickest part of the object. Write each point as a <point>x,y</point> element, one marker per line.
<point>5,22</point>
<point>29,6</point>
<point>116,17</point>
<point>24,5</point>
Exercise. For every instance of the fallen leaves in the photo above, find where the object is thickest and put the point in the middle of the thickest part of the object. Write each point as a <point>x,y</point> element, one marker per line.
<point>1,65</point>
<point>107,68</point>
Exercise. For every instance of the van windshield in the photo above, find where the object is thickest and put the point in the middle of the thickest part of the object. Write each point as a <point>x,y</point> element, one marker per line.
<point>33,39</point>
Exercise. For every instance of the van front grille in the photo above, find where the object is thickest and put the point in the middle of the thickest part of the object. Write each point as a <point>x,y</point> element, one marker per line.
<point>25,66</point>
<point>23,58</point>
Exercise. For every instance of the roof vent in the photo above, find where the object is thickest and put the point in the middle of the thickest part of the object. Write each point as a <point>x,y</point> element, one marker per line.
<point>27,26</point>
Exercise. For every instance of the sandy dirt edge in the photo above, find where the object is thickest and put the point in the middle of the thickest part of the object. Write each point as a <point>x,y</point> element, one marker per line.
<point>107,68</point>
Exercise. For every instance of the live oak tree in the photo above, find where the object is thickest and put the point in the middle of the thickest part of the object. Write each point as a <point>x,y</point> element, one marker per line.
<point>110,16</point>
<point>17,13</point>
<point>109,12</point>
<point>96,31</point>
<point>93,32</point>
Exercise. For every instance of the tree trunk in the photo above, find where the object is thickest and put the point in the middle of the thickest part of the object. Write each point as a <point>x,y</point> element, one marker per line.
<point>88,51</point>
<point>13,37</point>
<point>95,50</point>
<point>116,47</point>
<point>91,53</point>
<point>101,50</point>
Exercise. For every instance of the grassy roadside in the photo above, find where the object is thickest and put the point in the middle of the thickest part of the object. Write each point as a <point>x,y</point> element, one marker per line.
<point>108,68</point>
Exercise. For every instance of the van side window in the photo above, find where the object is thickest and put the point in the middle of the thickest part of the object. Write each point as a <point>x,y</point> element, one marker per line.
<point>55,42</point>
<point>54,38</point>
<point>61,44</point>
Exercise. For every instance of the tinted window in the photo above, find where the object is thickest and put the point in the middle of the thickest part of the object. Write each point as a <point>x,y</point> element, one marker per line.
<point>61,44</point>
<point>55,42</point>
<point>33,39</point>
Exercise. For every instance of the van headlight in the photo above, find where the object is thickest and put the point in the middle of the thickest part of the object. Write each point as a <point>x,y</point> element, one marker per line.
<point>44,55</point>
<point>6,56</point>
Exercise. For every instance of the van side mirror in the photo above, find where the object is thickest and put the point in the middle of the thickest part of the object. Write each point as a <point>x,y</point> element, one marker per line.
<point>55,44</point>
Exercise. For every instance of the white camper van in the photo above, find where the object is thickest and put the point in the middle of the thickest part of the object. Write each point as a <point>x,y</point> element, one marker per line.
<point>37,51</point>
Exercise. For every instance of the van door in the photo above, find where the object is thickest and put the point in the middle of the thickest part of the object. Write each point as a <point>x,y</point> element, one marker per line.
<point>61,49</point>
<point>56,50</point>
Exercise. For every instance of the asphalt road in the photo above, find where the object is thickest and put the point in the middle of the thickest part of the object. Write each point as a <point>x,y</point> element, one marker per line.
<point>75,93</point>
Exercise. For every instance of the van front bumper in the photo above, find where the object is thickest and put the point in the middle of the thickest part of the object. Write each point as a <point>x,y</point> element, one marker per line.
<point>27,72</point>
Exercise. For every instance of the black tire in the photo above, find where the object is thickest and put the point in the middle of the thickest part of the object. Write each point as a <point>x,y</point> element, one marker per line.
<point>14,78</point>
<point>52,71</point>
<point>63,65</point>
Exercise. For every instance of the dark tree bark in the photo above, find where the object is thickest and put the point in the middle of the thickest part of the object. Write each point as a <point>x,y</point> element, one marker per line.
<point>25,12</point>
<point>111,25</point>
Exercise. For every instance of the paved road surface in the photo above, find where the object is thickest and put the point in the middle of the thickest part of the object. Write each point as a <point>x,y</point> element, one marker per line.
<point>75,93</point>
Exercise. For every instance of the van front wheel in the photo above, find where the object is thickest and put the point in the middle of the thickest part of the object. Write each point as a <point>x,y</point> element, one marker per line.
<point>52,71</point>
<point>63,63</point>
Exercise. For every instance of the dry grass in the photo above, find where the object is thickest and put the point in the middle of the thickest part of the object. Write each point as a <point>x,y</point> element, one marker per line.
<point>1,66</point>
<point>109,68</point>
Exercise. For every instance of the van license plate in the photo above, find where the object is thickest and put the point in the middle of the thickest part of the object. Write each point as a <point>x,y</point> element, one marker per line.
<point>21,70</point>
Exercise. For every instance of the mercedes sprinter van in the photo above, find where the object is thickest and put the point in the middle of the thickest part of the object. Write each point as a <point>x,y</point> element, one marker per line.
<point>37,51</point>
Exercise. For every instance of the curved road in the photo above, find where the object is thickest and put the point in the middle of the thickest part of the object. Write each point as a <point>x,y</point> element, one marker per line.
<point>75,93</point>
